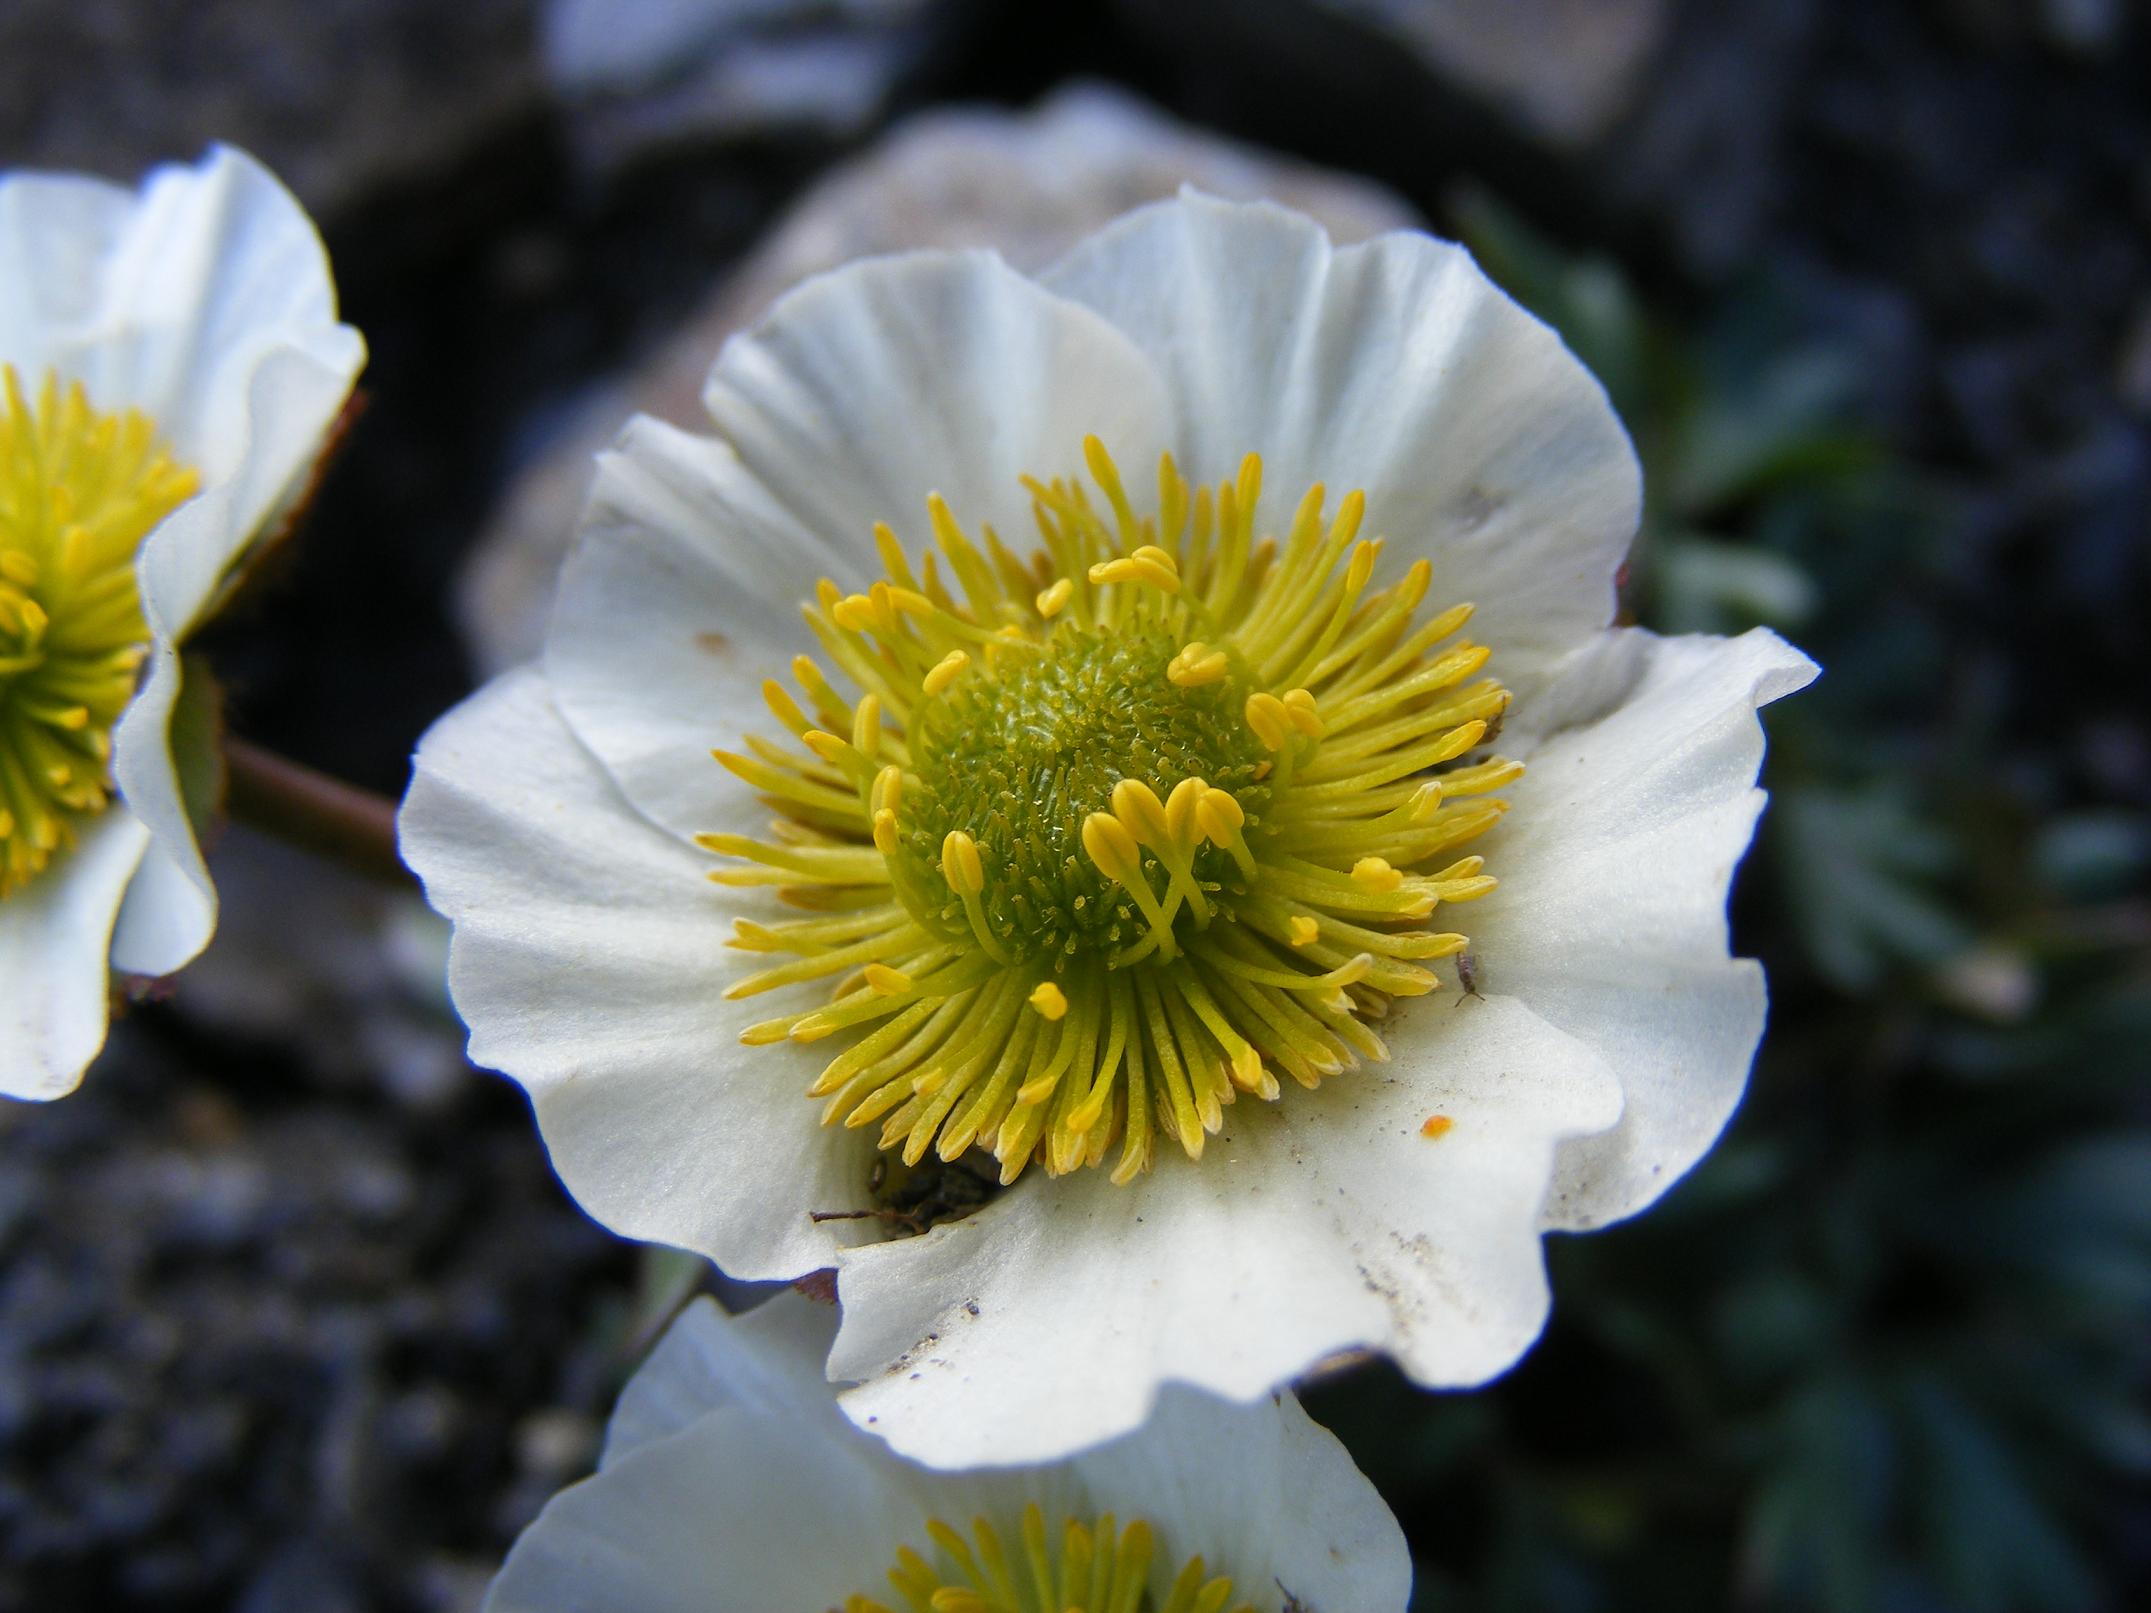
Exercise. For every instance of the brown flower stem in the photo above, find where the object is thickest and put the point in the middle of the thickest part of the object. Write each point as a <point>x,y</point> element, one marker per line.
<point>310,810</point>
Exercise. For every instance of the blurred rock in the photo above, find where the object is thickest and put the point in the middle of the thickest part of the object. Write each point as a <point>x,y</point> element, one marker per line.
<point>356,990</point>
<point>341,97</point>
<point>638,76</point>
<point>1563,69</point>
<point>1556,74</point>
<point>271,1345</point>
<point>1028,184</point>
<point>2132,372</point>
<point>1703,147</point>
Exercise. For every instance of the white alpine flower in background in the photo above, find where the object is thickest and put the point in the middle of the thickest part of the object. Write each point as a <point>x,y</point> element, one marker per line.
<point>1128,845</point>
<point>730,1483</point>
<point>170,365</point>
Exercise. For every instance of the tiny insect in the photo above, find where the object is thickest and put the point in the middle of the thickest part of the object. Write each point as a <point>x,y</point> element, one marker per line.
<point>920,1198</point>
<point>1292,1603</point>
<point>1468,976</point>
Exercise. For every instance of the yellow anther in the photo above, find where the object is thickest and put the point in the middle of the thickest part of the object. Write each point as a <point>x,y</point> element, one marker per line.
<point>1425,802</point>
<point>1302,929</point>
<point>944,671</point>
<point>891,552</point>
<point>1248,489</point>
<point>889,982</point>
<point>1172,498</point>
<point>784,707</point>
<point>960,864</point>
<point>1147,565</point>
<point>887,790</point>
<point>1108,844</point>
<point>1350,512</point>
<point>1107,475</point>
<point>825,745</point>
<point>1197,664</point>
<point>1362,567</point>
<point>1052,601</point>
<point>1136,805</point>
<point>1089,1111</point>
<point>1375,874</point>
<point>866,727</point>
<point>1182,808</point>
<point>1219,815</point>
<point>885,832</point>
<point>1267,716</point>
<point>1301,711</point>
<point>1049,1000</point>
<point>854,613</point>
<point>911,602</point>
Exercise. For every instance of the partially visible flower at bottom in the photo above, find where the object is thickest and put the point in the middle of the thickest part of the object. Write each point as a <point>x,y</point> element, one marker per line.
<point>731,1483</point>
<point>171,364</point>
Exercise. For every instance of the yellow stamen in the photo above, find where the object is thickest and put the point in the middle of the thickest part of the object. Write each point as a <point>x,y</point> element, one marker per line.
<point>1176,769</point>
<point>1100,1566</point>
<point>945,670</point>
<point>79,493</point>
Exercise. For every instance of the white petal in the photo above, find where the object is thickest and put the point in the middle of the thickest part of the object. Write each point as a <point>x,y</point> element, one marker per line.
<point>861,393</point>
<point>290,395</point>
<point>1395,367</point>
<point>56,233</point>
<point>54,982</point>
<point>215,266</point>
<point>1316,1224</point>
<point>769,1360</point>
<point>872,386</point>
<point>167,918</point>
<point>1614,862</point>
<point>590,962</point>
<point>1261,1492</point>
<point>727,1516</point>
<point>170,908</point>
<point>682,594</point>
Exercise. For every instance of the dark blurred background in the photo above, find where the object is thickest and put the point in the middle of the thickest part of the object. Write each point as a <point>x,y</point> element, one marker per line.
<point>293,1315</point>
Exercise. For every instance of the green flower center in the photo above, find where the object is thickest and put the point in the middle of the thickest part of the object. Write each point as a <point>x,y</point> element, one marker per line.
<point>79,491</point>
<point>1019,755</point>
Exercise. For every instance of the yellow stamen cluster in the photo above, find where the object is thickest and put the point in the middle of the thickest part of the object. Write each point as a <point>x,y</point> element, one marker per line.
<point>1097,1568</point>
<point>1119,832</point>
<point>79,491</point>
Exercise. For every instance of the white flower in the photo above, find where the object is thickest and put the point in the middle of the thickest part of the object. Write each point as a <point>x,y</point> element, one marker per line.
<point>729,1481</point>
<point>172,362</point>
<point>1227,1244</point>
